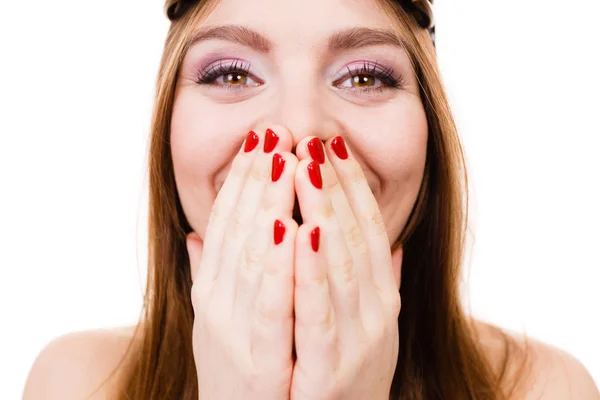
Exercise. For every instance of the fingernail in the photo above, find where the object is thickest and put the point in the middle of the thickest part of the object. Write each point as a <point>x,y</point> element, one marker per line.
<point>251,142</point>
<point>339,147</point>
<point>278,231</point>
<point>271,140</point>
<point>315,149</point>
<point>277,167</point>
<point>314,238</point>
<point>314,173</point>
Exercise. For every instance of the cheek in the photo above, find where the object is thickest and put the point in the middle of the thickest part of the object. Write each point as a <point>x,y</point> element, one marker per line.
<point>393,143</point>
<point>204,140</point>
<point>392,146</point>
<point>203,135</point>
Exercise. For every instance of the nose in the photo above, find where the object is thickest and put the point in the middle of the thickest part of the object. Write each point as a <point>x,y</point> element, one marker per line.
<point>304,109</point>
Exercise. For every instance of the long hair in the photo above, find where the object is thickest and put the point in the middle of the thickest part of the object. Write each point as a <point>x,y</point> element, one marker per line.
<point>440,356</point>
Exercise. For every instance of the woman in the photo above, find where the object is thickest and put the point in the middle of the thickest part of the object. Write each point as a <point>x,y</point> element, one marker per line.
<point>305,176</point>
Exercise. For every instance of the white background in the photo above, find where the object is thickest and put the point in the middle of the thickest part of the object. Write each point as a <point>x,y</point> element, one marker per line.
<point>76,91</point>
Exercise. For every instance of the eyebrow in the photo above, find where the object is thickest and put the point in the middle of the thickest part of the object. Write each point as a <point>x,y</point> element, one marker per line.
<point>346,39</point>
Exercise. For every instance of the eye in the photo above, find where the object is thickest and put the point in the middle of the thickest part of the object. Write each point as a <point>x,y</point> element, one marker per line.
<point>363,78</point>
<point>232,75</point>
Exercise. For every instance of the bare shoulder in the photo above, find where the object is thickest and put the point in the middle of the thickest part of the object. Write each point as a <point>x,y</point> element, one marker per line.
<point>546,372</point>
<point>74,365</point>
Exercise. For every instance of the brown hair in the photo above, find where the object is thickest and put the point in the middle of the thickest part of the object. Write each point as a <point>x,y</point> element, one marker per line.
<point>440,356</point>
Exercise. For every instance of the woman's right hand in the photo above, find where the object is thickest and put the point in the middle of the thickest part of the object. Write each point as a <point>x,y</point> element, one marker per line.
<point>243,284</point>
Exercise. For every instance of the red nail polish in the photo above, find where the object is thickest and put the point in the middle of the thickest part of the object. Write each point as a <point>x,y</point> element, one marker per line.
<point>315,149</point>
<point>339,147</point>
<point>251,142</point>
<point>314,238</point>
<point>278,231</point>
<point>277,167</point>
<point>314,173</point>
<point>271,140</point>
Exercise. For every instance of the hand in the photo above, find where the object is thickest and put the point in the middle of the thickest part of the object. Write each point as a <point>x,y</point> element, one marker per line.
<point>347,297</point>
<point>242,290</point>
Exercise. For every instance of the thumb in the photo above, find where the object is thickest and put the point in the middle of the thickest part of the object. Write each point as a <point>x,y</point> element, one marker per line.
<point>397,255</point>
<point>194,247</point>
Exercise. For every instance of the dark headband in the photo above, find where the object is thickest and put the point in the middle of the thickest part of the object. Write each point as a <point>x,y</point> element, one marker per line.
<point>421,10</point>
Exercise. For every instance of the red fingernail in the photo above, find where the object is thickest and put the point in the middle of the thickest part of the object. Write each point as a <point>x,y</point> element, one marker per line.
<point>314,173</point>
<point>271,140</point>
<point>339,147</point>
<point>278,231</point>
<point>314,238</point>
<point>277,167</point>
<point>315,149</point>
<point>251,142</point>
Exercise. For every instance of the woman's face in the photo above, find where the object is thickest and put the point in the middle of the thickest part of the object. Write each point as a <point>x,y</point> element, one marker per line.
<point>315,70</point>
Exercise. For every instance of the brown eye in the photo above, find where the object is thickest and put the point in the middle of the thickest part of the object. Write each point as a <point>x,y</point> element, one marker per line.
<point>363,80</point>
<point>234,79</point>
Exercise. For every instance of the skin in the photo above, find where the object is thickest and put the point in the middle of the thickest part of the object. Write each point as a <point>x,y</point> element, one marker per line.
<point>386,131</point>
<point>340,303</point>
<point>344,312</point>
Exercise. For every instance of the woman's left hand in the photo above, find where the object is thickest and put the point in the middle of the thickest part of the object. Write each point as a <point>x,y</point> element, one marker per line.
<point>347,281</point>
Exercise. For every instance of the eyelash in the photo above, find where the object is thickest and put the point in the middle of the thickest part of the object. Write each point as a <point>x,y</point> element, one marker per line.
<point>209,77</point>
<point>385,75</point>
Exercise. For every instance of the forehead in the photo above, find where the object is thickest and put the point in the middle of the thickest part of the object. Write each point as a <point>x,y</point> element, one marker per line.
<point>299,19</point>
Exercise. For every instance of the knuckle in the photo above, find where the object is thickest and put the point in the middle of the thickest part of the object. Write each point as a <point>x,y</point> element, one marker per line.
<point>319,316</point>
<point>345,270</point>
<point>330,182</point>
<point>395,304</point>
<point>259,171</point>
<point>244,282</point>
<point>313,280</point>
<point>251,258</point>
<point>236,225</point>
<point>216,211</point>
<point>353,236</point>
<point>352,294</point>
<point>327,211</point>
<point>272,269</point>
<point>269,205</point>
<point>238,166</point>
<point>355,173</point>
<point>269,310</point>
<point>377,221</point>
<point>246,278</point>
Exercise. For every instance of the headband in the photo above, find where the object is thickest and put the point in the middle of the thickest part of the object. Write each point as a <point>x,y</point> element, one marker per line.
<point>421,10</point>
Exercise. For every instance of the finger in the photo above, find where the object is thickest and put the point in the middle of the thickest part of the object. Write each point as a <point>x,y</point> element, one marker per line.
<point>277,204</point>
<point>313,148</point>
<point>248,210</point>
<point>394,299</point>
<point>280,195</point>
<point>366,209</point>
<point>272,335</point>
<point>317,209</point>
<point>315,331</point>
<point>280,192</point>
<point>397,257</point>
<point>223,207</point>
<point>252,263</point>
<point>243,221</point>
<point>194,247</point>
